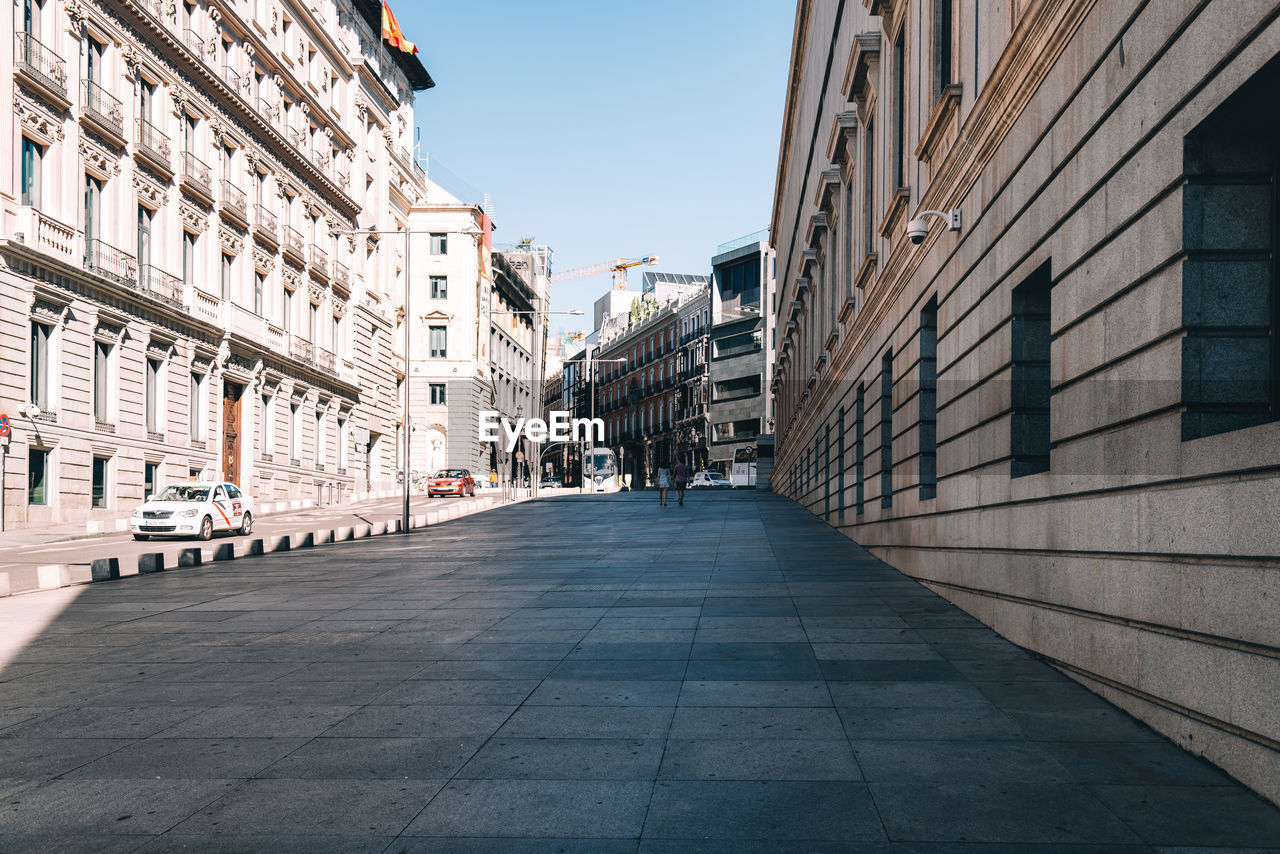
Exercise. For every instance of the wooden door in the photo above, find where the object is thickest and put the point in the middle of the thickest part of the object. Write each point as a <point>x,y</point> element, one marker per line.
<point>231,394</point>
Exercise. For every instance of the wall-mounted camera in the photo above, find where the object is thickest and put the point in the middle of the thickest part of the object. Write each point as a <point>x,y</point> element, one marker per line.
<point>918,228</point>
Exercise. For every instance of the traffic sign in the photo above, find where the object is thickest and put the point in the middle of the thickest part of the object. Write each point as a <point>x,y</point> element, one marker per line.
<point>5,427</point>
<point>519,456</point>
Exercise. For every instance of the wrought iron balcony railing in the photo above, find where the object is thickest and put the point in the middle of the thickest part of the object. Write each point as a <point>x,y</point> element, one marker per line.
<point>41,62</point>
<point>319,259</point>
<point>342,274</point>
<point>265,221</point>
<point>301,348</point>
<point>161,285</point>
<point>293,241</point>
<point>106,260</point>
<point>193,40</point>
<point>325,360</point>
<point>196,172</point>
<point>103,107</point>
<point>234,199</point>
<point>153,142</point>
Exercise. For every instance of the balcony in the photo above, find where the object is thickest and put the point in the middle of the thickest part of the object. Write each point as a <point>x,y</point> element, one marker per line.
<point>194,42</point>
<point>153,145</point>
<point>342,275</point>
<point>302,349</point>
<point>160,285</point>
<point>325,360</point>
<point>265,225</point>
<point>40,64</point>
<point>297,138</point>
<point>48,235</point>
<point>196,175</point>
<point>267,109</point>
<point>233,79</point>
<point>319,261</point>
<point>234,204</point>
<point>110,262</point>
<point>292,244</point>
<point>103,109</point>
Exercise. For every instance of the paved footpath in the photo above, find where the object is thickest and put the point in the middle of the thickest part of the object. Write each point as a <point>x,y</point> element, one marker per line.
<point>580,674</point>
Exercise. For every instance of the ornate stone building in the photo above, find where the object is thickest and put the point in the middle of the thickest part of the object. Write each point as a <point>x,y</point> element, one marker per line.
<point>1056,404</point>
<point>180,294</point>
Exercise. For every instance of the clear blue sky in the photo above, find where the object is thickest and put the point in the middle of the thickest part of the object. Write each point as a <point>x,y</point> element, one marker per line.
<point>607,129</point>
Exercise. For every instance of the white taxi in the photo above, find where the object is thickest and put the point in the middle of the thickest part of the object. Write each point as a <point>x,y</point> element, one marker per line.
<point>193,510</point>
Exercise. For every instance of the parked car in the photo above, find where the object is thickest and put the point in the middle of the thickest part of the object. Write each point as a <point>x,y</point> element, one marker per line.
<point>712,479</point>
<point>451,482</point>
<point>550,482</point>
<point>195,509</point>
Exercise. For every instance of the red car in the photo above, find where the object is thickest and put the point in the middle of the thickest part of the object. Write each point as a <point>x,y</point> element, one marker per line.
<point>451,482</point>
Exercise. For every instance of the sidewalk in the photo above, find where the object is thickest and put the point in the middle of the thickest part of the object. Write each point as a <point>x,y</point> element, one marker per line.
<point>582,674</point>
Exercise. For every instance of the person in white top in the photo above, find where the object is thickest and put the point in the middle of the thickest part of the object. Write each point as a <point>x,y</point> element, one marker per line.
<point>664,483</point>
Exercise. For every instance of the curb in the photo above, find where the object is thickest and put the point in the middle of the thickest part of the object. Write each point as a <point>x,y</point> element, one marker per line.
<point>54,576</point>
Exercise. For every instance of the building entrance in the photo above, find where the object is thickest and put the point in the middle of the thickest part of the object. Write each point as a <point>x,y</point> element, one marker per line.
<point>231,394</point>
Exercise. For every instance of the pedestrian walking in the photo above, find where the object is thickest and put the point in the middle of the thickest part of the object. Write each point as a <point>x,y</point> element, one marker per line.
<point>681,474</point>
<point>664,483</point>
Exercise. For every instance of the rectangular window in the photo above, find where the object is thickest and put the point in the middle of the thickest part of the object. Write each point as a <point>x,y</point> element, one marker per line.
<point>736,389</point>
<point>32,155</point>
<point>344,438</point>
<point>900,112</point>
<point>101,381</point>
<point>189,258</point>
<point>439,244</point>
<point>40,335</point>
<point>152,405</point>
<point>92,208</point>
<point>860,452</point>
<point>869,192</point>
<point>145,215</point>
<point>195,407</point>
<point>928,402</point>
<point>227,272</point>
<point>336,340</point>
<point>1029,404</point>
<point>886,430</point>
<point>1231,273</point>
<point>840,466</point>
<point>287,319</point>
<point>150,478</point>
<point>259,287</point>
<point>439,287</point>
<point>295,433</point>
<point>99,496</point>
<point>437,394</point>
<point>268,424</point>
<point>943,35</point>
<point>439,341</point>
<point>37,476</point>
<point>321,438</point>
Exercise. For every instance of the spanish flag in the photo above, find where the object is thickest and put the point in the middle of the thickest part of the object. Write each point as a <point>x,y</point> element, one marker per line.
<point>391,32</point>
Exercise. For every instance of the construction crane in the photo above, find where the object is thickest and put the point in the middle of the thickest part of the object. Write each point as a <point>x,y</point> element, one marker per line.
<point>619,266</point>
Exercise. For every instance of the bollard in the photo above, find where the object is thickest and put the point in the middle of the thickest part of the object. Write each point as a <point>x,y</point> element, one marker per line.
<point>190,557</point>
<point>420,520</point>
<point>105,568</point>
<point>342,535</point>
<point>280,543</point>
<point>254,547</point>
<point>226,551</point>
<point>150,562</point>
<point>393,527</point>
<point>303,540</point>
<point>433,518</point>
<point>361,532</point>
<point>323,537</point>
<point>377,529</point>
<point>53,575</point>
<point>5,589</point>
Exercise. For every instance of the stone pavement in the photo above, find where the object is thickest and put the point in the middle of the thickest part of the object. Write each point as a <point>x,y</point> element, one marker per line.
<point>579,674</point>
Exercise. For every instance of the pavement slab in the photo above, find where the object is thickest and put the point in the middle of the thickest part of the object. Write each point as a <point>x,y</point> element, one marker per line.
<point>578,674</point>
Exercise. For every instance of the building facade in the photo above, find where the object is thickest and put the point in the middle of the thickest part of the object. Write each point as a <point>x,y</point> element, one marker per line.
<point>693,326</point>
<point>741,351</point>
<point>449,368</point>
<point>180,294</point>
<point>1058,407</point>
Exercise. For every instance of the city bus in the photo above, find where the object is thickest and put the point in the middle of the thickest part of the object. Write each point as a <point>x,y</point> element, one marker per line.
<point>602,468</point>
<point>743,470</point>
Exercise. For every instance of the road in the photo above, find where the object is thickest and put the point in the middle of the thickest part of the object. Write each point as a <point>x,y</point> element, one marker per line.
<point>22,561</point>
